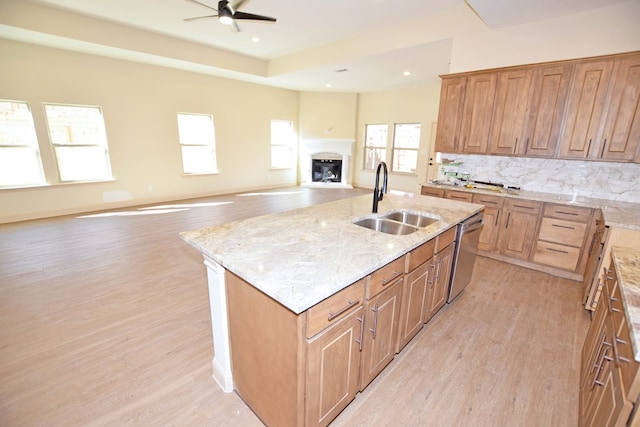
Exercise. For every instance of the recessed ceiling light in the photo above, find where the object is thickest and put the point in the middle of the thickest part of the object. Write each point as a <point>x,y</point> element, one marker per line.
<point>255,39</point>
<point>407,73</point>
<point>328,85</point>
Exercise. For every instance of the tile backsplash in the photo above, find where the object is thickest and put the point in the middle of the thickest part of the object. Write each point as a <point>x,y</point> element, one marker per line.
<point>602,180</point>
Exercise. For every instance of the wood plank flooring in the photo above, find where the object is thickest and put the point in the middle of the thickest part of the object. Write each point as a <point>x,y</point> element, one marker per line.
<point>104,321</point>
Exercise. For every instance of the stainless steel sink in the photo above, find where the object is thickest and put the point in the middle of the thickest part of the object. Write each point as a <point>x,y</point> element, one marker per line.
<point>386,226</point>
<point>411,218</point>
<point>398,222</point>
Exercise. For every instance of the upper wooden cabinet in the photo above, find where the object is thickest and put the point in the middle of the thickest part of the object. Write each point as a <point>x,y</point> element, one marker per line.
<point>577,109</point>
<point>585,108</point>
<point>621,135</point>
<point>512,98</point>
<point>450,114</point>
<point>547,103</point>
<point>478,110</point>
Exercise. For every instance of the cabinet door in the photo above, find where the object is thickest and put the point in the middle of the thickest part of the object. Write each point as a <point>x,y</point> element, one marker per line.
<point>381,332</point>
<point>492,221</point>
<point>478,110</point>
<point>450,114</point>
<point>622,125</point>
<point>333,368</point>
<point>463,196</point>
<point>585,107</point>
<point>547,102</point>
<point>414,302</point>
<point>512,97</point>
<point>521,226</point>
<point>439,287</point>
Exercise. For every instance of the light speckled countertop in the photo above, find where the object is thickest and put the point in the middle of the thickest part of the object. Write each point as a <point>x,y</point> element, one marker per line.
<point>302,256</point>
<point>627,264</point>
<point>616,214</point>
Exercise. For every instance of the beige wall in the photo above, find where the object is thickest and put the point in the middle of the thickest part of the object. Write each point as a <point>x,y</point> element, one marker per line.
<point>139,103</point>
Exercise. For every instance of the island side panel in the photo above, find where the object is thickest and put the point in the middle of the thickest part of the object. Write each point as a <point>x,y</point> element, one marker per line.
<point>219,325</point>
<point>265,353</point>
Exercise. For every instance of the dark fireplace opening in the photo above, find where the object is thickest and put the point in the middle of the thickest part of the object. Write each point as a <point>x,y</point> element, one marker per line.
<point>326,170</point>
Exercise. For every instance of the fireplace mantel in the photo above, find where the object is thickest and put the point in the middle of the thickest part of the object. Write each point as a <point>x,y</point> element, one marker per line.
<point>310,148</point>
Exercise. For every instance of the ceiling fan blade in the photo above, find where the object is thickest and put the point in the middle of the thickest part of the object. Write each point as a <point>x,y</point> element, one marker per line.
<point>244,15</point>
<point>200,17</point>
<point>202,4</point>
<point>234,6</point>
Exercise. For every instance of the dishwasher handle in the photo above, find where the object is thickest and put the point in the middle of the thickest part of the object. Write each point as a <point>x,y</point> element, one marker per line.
<point>472,226</point>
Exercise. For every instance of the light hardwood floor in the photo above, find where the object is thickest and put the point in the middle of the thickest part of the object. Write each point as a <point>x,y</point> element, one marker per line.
<point>104,321</point>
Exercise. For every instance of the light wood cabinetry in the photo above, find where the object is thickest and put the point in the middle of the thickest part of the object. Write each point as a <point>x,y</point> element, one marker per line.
<point>621,135</point>
<point>442,264</point>
<point>431,191</point>
<point>420,271</point>
<point>382,313</point>
<point>562,236</point>
<point>478,109</point>
<point>609,377</point>
<point>450,114</point>
<point>594,253</point>
<point>461,196</point>
<point>512,98</point>
<point>576,109</point>
<point>492,221</point>
<point>585,108</point>
<point>520,228</point>
<point>547,103</point>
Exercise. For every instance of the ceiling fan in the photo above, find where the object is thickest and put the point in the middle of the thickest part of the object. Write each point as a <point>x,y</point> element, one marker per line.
<point>228,13</point>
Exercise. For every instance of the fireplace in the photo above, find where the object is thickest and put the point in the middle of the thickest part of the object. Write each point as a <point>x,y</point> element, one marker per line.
<point>325,163</point>
<point>326,170</point>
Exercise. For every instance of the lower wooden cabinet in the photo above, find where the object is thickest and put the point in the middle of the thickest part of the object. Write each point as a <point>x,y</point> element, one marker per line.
<point>520,228</point>
<point>414,302</point>
<point>492,221</point>
<point>380,332</point>
<point>439,286</point>
<point>333,369</point>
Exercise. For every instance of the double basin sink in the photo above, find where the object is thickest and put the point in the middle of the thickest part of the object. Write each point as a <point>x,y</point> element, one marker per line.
<point>397,222</point>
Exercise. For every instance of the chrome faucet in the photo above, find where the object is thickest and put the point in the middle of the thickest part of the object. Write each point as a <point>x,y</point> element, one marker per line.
<point>378,192</point>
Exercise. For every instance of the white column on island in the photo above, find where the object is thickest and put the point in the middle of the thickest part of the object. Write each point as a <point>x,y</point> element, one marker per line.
<point>219,325</point>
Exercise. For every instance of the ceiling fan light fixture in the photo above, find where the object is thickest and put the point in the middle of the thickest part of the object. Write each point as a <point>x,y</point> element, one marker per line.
<point>226,20</point>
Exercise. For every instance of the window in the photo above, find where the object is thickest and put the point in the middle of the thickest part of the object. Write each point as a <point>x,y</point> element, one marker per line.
<point>375,145</point>
<point>282,139</point>
<point>406,142</point>
<point>198,143</point>
<point>20,162</point>
<point>79,141</point>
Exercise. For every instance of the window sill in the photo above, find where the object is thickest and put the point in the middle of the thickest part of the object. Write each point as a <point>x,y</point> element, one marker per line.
<point>58,184</point>
<point>200,174</point>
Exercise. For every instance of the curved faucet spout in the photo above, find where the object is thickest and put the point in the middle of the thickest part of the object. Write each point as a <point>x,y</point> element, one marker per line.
<point>378,193</point>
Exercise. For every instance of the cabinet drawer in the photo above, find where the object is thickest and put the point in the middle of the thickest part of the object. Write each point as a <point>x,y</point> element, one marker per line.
<point>627,365</point>
<point>568,213</point>
<point>527,206</point>
<point>446,238</point>
<point>420,255</point>
<point>335,307</point>
<point>462,196</point>
<point>492,201</point>
<point>430,191</point>
<point>555,255</point>
<point>383,277</point>
<point>561,231</point>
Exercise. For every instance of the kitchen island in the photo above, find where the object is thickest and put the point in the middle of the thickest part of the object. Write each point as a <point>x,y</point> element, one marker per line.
<point>268,274</point>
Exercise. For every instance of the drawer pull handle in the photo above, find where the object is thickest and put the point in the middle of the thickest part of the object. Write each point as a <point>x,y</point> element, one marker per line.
<point>375,321</point>
<point>567,213</point>
<point>350,304</point>
<point>563,226</point>
<point>523,207</point>
<point>359,341</point>
<point>392,278</point>
<point>620,340</point>
<point>623,359</point>
<point>557,250</point>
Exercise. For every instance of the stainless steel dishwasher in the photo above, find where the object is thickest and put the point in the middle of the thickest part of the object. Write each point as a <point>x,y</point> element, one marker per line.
<point>465,254</point>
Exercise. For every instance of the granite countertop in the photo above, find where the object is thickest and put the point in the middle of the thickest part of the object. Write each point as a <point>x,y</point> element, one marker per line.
<point>302,256</point>
<point>616,214</point>
<point>627,264</point>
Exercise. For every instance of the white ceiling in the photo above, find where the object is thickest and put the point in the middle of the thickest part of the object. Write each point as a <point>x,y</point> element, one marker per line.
<point>303,28</point>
